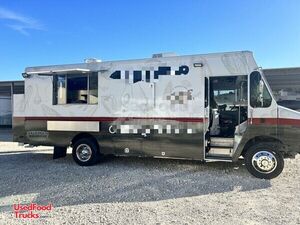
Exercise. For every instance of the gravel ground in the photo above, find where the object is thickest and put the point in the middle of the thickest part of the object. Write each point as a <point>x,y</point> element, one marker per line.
<point>144,191</point>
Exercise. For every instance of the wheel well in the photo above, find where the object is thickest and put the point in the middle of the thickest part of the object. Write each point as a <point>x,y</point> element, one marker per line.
<point>260,139</point>
<point>83,135</point>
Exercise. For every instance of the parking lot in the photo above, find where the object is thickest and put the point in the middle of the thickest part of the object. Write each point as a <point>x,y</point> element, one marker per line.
<point>144,191</point>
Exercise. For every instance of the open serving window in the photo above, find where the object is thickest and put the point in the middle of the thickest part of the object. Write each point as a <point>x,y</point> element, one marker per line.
<point>75,88</point>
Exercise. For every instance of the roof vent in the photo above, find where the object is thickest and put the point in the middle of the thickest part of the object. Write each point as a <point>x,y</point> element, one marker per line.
<point>164,54</point>
<point>92,60</point>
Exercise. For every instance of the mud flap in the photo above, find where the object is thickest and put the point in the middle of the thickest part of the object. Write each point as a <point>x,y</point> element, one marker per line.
<point>59,152</point>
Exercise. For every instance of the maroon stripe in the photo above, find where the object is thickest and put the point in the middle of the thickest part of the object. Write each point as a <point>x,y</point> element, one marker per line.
<point>284,121</point>
<point>265,121</point>
<point>275,121</point>
<point>109,119</point>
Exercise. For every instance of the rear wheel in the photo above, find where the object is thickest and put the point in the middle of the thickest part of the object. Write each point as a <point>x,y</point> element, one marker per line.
<point>264,160</point>
<point>86,152</point>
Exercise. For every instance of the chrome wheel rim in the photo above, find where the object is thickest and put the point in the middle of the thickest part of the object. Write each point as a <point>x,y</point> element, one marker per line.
<point>264,162</point>
<point>84,152</point>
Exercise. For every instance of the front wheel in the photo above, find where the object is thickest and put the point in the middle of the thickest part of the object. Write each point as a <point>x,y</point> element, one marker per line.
<point>86,152</point>
<point>264,160</point>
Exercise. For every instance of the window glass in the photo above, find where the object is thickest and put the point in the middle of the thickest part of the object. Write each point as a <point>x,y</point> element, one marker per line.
<point>259,94</point>
<point>93,88</point>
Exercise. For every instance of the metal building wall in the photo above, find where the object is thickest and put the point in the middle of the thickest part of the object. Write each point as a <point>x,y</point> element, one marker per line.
<point>7,89</point>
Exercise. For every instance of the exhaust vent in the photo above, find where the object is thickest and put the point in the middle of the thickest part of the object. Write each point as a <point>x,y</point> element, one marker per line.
<point>164,54</point>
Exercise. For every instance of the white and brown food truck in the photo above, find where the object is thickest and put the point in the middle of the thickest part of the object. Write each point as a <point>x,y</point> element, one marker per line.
<point>209,107</point>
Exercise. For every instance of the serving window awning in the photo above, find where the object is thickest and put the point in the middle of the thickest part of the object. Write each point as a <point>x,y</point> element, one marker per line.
<point>58,71</point>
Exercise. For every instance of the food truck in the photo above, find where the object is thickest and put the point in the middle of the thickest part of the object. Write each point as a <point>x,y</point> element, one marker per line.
<point>207,107</point>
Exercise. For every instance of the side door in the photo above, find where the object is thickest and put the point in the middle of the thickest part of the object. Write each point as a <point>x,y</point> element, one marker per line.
<point>262,108</point>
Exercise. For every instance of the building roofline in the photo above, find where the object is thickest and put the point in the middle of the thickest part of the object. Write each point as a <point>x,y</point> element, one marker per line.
<point>282,68</point>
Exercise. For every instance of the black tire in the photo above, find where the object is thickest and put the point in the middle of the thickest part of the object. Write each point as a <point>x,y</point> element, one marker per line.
<point>91,147</point>
<point>264,153</point>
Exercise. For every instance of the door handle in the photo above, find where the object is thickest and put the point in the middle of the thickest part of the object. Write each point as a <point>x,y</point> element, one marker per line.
<point>251,115</point>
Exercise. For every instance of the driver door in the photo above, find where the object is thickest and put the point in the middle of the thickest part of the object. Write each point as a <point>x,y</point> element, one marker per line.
<point>262,108</point>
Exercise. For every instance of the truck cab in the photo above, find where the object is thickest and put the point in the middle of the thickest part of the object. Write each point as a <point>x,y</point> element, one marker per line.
<point>243,119</point>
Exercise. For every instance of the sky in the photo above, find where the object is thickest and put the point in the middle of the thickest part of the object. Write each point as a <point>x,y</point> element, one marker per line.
<point>36,33</point>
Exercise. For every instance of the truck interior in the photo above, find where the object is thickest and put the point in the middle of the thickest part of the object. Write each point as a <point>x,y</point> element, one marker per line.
<point>228,107</point>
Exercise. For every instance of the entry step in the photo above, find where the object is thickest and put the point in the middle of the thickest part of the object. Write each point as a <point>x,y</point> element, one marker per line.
<point>221,142</point>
